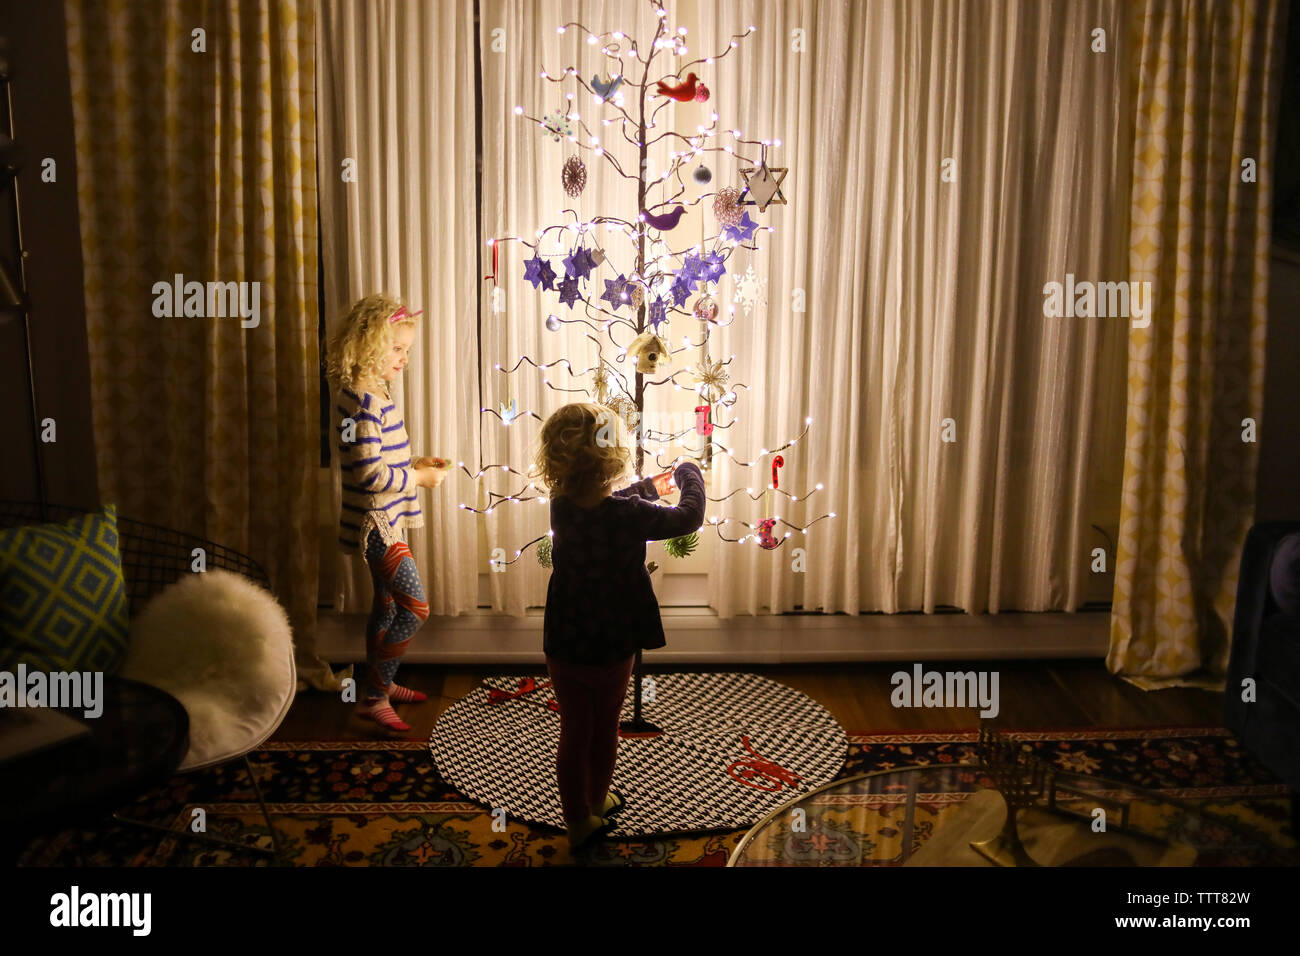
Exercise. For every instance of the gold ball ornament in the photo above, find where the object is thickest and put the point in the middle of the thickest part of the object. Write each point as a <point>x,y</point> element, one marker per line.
<point>625,408</point>
<point>712,378</point>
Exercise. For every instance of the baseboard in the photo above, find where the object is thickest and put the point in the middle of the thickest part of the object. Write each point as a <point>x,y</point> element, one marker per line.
<point>697,636</point>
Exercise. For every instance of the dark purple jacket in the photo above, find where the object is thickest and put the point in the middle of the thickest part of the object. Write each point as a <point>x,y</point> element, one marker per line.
<point>600,605</point>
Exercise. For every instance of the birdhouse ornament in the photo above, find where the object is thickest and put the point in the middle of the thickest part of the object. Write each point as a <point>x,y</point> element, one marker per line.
<point>650,352</point>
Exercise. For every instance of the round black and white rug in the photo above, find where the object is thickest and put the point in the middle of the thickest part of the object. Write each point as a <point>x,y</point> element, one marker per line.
<point>733,748</point>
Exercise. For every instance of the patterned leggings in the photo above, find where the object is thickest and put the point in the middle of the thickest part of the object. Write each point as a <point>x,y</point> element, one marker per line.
<point>398,611</point>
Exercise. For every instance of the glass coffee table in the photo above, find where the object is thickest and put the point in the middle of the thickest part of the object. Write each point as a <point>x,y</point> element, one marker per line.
<point>929,816</point>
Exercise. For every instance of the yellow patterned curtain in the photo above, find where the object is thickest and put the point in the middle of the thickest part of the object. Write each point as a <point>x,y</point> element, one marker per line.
<point>1206,77</point>
<point>196,163</point>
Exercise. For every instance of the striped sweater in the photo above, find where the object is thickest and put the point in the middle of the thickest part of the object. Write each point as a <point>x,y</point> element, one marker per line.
<point>376,467</point>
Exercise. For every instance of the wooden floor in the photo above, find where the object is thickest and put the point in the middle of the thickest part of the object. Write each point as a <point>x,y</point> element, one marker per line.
<point>1035,695</point>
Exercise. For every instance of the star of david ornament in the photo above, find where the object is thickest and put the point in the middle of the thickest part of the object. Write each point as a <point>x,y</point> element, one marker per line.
<point>763,186</point>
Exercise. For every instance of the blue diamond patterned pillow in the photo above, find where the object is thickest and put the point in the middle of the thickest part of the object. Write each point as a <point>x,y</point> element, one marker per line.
<point>63,600</point>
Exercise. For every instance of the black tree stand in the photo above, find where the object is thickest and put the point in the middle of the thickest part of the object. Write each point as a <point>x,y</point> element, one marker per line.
<point>638,725</point>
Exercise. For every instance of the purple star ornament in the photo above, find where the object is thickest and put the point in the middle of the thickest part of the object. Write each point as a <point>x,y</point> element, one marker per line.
<point>658,313</point>
<point>533,270</point>
<point>614,292</point>
<point>547,275</point>
<point>583,263</point>
<point>681,290</point>
<point>742,231</point>
<point>569,293</point>
<point>714,266</point>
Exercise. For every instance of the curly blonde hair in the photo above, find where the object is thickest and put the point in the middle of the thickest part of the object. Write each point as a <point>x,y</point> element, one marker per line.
<point>359,351</point>
<point>582,450</point>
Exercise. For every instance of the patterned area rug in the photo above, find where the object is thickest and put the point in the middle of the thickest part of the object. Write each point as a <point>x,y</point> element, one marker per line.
<point>732,748</point>
<point>381,803</point>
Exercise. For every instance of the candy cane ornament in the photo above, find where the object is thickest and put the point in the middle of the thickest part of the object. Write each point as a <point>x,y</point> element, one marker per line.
<point>777,462</point>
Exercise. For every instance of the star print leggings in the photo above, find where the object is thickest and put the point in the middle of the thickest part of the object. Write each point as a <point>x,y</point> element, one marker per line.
<point>397,613</point>
<point>590,698</point>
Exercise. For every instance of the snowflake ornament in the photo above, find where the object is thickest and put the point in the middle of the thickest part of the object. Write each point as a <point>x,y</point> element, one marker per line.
<point>751,290</point>
<point>557,125</point>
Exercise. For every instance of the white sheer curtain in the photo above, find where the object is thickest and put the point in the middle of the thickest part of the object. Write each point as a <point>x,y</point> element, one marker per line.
<point>396,97</point>
<point>925,299</point>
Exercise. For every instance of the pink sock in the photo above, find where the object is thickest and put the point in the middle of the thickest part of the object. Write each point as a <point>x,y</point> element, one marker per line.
<point>404,695</point>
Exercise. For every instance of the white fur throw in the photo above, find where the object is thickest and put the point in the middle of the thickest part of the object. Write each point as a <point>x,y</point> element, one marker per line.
<point>222,646</point>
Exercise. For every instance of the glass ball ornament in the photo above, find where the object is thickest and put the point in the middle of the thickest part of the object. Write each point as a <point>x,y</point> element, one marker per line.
<point>703,175</point>
<point>553,323</point>
<point>706,310</point>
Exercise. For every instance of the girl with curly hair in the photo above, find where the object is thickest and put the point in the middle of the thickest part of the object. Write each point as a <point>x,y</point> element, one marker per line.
<point>380,482</point>
<point>600,605</point>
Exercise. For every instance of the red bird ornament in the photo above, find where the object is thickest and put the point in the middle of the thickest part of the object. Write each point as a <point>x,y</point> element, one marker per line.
<point>684,92</point>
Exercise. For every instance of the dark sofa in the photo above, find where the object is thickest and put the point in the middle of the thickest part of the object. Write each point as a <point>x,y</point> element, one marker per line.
<point>1266,647</point>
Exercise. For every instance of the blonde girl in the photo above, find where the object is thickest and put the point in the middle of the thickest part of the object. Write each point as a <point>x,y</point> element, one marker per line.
<point>600,605</point>
<point>380,483</point>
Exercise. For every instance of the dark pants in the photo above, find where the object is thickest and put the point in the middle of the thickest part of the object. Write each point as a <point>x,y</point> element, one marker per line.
<point>590,698</point>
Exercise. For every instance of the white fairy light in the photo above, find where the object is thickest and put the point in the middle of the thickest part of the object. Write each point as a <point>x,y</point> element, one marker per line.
<point>519,111</point>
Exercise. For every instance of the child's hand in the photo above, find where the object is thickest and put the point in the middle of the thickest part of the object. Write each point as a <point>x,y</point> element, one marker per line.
<point>664,483</point>
<point>428,477</point>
